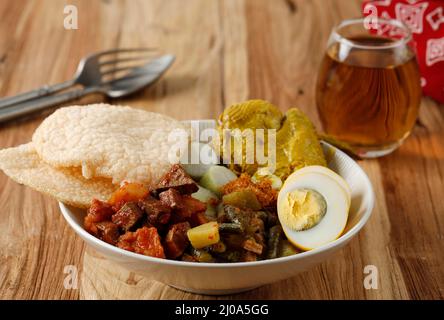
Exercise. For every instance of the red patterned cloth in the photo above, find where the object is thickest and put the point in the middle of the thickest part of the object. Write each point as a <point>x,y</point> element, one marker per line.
<point>425,18</point>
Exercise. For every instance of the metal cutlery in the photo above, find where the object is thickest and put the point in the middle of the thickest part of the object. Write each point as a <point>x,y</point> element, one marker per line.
<point>94,78</point>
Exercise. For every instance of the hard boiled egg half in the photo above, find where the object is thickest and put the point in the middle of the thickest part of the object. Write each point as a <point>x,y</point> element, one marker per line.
<point>313,206</point>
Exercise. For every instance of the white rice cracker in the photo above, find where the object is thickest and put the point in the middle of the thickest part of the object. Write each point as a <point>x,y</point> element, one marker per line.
<point>120,143</point>
<point>23,165</point>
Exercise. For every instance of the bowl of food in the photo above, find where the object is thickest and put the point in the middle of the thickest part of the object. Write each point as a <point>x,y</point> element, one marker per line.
<point>210,227</point>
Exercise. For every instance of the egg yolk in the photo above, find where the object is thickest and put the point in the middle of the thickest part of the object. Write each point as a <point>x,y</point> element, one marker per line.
<point>303,209</point>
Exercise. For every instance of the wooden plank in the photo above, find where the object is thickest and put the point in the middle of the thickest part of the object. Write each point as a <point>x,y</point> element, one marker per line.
<point>286,43</point>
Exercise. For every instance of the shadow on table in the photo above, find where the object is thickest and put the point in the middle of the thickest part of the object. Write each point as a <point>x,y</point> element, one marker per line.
<point>166,86</point>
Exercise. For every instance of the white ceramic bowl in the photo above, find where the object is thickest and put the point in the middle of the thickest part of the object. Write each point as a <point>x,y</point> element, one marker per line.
<point>226,278</point>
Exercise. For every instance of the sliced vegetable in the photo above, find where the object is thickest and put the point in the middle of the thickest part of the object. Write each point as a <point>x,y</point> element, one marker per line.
<point>220,211</point>
<point>264,173</point>
<point>245,199</point>
<point>204,235</point>
<point>200,158</point>
<point>274,241</point>
<point>216,177</point>
<point>263,215</point>
<point>204,195</point>
<point>211,212</point>
<point>272,218</point>
<point>235,215</point>
<point>231,228</point>
<point>265,193</point>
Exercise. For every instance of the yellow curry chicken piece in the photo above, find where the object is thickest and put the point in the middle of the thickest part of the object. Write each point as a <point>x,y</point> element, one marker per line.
<point>297,144</point>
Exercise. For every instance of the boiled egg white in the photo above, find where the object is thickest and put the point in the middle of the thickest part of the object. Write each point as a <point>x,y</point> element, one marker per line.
<point>323,170</point>
<point>313,206</point>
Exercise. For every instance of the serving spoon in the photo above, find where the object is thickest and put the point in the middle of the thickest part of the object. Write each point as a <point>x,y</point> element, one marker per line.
<point>135,80</point>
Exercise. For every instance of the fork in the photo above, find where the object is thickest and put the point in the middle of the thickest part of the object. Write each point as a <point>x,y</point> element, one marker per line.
<point>118,87</point>
<point>91,72</point>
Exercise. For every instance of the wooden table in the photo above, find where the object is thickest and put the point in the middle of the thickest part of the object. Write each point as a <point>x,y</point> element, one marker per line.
<point>227,51</point>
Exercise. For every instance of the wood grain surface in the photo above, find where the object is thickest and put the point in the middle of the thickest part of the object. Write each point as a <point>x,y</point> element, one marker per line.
<point>227,51</point>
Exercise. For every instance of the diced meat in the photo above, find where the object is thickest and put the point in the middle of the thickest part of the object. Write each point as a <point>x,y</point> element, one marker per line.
<point>183,206</point>
<point>190,206</point>
<point>178,179</point>
<point>248,256</point>
<point>256,225</point>
<point>126,193</point>
<point>128,216</point>
<point>252,246</point>
<point>198,218</point>
<point>145,241</point>
<point>171,198</point>
<point>176,240</point>
<point>157,212</point>
<point>98,211</point>
<point>259,237</point>
<point>107,231</point>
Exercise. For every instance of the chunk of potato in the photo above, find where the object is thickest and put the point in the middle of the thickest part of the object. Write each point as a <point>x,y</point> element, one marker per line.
<point>204,235</point>
<point>245,199</point>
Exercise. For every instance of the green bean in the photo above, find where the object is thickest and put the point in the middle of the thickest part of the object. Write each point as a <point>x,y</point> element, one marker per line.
<point>262,215</point>
<point>232,213</point>
<point>231,228</point>
<point>287,249</point>
<point>272,219</point>
<point>274,239</point>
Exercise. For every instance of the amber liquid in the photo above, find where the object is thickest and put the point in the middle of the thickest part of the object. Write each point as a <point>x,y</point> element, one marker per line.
<point>369,98</point>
